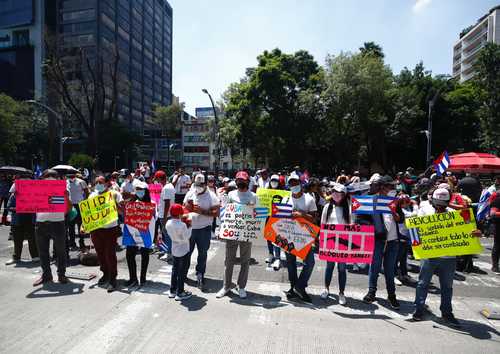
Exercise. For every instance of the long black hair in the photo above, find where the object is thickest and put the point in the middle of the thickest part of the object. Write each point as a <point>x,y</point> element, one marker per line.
<point>344,204</point>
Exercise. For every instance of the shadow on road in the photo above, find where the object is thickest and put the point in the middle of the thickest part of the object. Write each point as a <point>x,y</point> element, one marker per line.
<point>254,299</point>
<point>195,303</point>
<point>55,290</point>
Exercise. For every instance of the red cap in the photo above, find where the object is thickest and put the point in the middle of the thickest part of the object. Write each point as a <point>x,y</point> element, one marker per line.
<point>242,175</point>
<point>176,210</point>
<point>160,175</point>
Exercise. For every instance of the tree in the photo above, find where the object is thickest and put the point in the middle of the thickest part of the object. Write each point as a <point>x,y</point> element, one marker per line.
<point>168,119</point>
<point>371,48</point>
<point>82,161</point>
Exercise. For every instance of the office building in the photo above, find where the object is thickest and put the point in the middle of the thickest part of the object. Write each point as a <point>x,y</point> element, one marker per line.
<point>472,40</point>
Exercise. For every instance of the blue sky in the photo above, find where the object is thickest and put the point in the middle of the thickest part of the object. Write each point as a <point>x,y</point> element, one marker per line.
<point>215,40</point>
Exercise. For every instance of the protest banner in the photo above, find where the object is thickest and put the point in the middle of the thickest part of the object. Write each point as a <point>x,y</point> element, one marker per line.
<point>295,236</point>
<point>242,222</point>
<point>139,224</point>
<point>155,192</point>
<point>268,197</point>
<point>346,243</point>
<point>40,196</point>
<point>98,211</point>
<point>443,234</point>
<point>373,204</point>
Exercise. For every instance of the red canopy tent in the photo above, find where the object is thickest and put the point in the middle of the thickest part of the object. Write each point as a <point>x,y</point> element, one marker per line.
<point>476,162</point>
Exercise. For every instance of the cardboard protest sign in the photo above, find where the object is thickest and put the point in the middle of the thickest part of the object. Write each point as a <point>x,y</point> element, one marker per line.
<point>139,225</point>
<point>295,236</point>
<point>155,192</point>
<point>40,196</point>
<point>268,197</point>
<point>346,243</point>
<point>242,222</point>
<point>98,211</point>
<point>443,234</point>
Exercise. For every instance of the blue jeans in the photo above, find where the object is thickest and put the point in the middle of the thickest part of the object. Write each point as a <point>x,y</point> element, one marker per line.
<point>274,250</point>
<point>330,266</point>
<point>305,274</point>
<point>166,239</point>
<point>201,239</point>
<point>388,255</point>
<point>446,271</point>
<point>401,268</point>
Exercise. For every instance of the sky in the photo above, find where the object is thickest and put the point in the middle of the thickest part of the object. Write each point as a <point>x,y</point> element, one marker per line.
<point>214,41</point>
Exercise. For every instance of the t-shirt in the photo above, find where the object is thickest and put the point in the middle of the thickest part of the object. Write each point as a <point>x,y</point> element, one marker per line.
<point>118,199</point>
<point>182,185</point>
<point>244,198</point>
<point>127,187</point>
<point>76,189</point>
<point>167,193</point>
<point>206,200</point>
<point>180,235</point>
<point>263,183</point>
<point>336,216</point>
<point>305,203</point>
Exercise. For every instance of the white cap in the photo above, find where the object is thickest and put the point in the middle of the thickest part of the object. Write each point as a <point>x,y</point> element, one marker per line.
<point>226,180</point>
<point>275,177</point>
<point>199,179</point>
<point>441,196</point>
<point>294,175</point>
<point>140,185</point>
<point>375,178</point>
<point>337,187</point>
<point>444,186</point>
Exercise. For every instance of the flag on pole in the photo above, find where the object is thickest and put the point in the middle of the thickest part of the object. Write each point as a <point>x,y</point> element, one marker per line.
<point>442,163</point>
<point>372,204</point>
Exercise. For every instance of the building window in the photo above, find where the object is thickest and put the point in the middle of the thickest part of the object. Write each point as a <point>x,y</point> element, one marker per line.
<point>21,38</point>
<point>79,15</point>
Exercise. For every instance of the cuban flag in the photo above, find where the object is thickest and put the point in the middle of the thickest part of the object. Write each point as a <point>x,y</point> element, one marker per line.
<point>56,200</point>
<point>260,213</point>
<point>141,238</point>
<point>38,172</point>
<point>163,246</point>
<point>280,210</point>
<point>153,166</point>
<point>483,208</point>
<point>414,237</point>
<point>372,204</point>
<point>442,163</point>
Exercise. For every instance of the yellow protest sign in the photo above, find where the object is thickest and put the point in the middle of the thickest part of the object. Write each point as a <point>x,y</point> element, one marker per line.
<point>98,211</point>
<point>443,234</point>
<point>267,197</point>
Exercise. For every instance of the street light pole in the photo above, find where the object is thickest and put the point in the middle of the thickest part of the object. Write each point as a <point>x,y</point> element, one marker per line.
<point>59,121</point>
<point>217,132</point>
<point>432,103</point>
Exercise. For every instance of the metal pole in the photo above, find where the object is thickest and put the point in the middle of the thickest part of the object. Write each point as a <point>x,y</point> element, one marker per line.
<point>217,132</point>
<point>429,133</point>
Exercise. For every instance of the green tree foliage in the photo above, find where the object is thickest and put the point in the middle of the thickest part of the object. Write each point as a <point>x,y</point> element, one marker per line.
<point>81,161</point>
<point>373,49</point>
<point>11,126</point>
<point>168,119</point>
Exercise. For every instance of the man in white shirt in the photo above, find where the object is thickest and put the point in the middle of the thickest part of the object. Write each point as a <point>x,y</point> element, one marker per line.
<point>127,188</point>
<point>263,180</point>
<point>78,191</point>
<point>52,226</point>
<point>181,182</point>
<point>167,198</point>
<point>203,206</point>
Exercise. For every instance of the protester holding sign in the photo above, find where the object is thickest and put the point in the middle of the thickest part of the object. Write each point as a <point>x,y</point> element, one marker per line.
<point>51,226</point>
<point>105,236</point>
<point>241,196</point>
<point>337,211</point>
<point>444,265</point>
<point>78,191</point>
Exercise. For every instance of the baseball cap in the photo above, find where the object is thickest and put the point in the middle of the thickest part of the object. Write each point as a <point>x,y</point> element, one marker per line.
<point>293,176</point>
<point>375,178</point>
<point>140,185</point>
<point>444,186</point>
<point>441,196</point>
<point>160,175</point>
<point>226,180</point>
<point>242,175</point>
<point>176,210</point>
<point>275,178</point>
<point>386,180</point>
<point>337,187</point>
<point>199,179</point>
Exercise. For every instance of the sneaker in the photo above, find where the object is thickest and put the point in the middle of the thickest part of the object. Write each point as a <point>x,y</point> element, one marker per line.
<point>290,294</point>
<point>418,316</point>
<point>35,259</point>
<point>369,298</point>
<point>355,268</point>
<point>103,280</point>
<point>301,293</point>
<point>242,293</point>
<point>221,293</point>
<point>111,286</point>
<point>393,302</point>
<point>451,320</point>
<point>41,281</point>
<point>398,281</point>
<point>131,283</point>
<point>12,261</point>
<point>342,299</point>
<point>324,294</point>
<point>495,269</point>
<point>63,279</point>
<point>183,296</point>
<point>276,264</point>
<point>171,294</point>
<point>269,259</point>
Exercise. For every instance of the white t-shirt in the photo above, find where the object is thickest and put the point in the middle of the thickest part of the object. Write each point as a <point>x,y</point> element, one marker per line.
<point>305,203</point>
<point>118,199</point>
<point>76,190</point>
<point>205,201</point>
<point>245,198</point>
<point>43,217</point>
<point>167,193</point>
<point>127,187</point>
<point>263,183</point>
<point>336,216</point>
<point>182,185</point>
<point>180,235</point>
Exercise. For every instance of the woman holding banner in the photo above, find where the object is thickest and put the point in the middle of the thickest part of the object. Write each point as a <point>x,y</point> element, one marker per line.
<point>337,211</point>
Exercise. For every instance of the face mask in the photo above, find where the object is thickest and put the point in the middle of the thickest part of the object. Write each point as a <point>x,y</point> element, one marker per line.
<point>295,189</point>
<point>274,184</point>
<point>199,189</point>
<point>241,185</point>
<point>100,188</point>
<point>120,180</point>
<point>337,197</point>
<point>140,193</point>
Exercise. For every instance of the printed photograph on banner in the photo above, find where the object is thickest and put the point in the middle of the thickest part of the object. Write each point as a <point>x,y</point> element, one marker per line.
<point>242,222</point>
<point>98,211</point>
<point>347,243</point>
<point>295,236</point>
<point>155,192</point>
<point>40,196</point>
<point>268,197</point>
<point>139,224</point>
<point>444,234</point>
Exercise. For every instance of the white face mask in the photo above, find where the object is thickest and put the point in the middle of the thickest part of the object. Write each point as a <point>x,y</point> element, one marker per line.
<point>295,189</point>
<point>199,189</point>
<point>274,184</point>
<point>100,188</point>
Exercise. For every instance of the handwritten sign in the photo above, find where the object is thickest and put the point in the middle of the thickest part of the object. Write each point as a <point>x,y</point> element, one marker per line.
<point>155,192</point>
<point>443,234</point>
<point>98,211</point>
<point>267,197</point>
<point>40,196</point>
<point>295,236</point>
<point>346,243</point>
<point>242,222</point>
<point>139,214</point>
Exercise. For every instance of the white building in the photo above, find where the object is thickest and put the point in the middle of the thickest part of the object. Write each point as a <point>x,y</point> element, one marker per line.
<point>466,49</point>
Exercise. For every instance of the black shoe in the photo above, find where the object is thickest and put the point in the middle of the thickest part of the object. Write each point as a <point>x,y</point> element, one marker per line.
<point>111,286</point>
<point>451,320</point>
<point>199,281</point>
<point>301,293</point>
<point>495,269</point>
<point>290,294</point>
<point>131,283</point>
<point>63,279</point>
<point>393,302</point>
<point>418,316</point>
<point>142,282</point>
<point>103,280</point>
<point>42,280</point>
<point>369,298</point>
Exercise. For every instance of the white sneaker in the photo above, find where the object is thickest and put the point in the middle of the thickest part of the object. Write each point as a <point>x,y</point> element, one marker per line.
<point>276,264</point>
<point>242,293</point>
<point>355,268</point>
<point>184,296</point>
<point>35,259</point>
<point>269,259</point>
<point>11,261</point>
<point>221,293</point>
<point>342,299</point>
<point>398,282</point>
<point>171,295</point>
<point>324,294</point>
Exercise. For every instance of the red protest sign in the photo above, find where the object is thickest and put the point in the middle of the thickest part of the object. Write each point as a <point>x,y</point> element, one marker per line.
<point>40,196</point>
<point>155,192</point>
<point>139,214</point>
